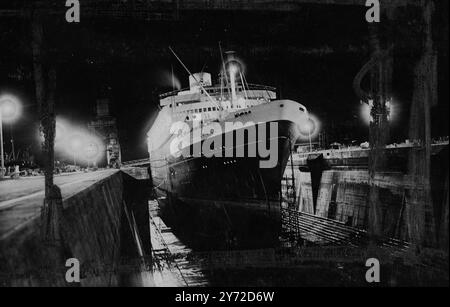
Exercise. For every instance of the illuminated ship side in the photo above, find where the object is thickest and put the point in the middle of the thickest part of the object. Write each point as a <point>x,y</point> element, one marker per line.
<point>223,200</point>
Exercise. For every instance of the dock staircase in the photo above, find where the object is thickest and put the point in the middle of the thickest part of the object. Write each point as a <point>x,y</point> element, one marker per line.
<point>288,203</point>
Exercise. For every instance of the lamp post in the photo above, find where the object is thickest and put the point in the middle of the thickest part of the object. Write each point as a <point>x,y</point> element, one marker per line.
<point>308,128</point>
<point>9,111</point>
<point>13,153</point>
<point>310,140</point>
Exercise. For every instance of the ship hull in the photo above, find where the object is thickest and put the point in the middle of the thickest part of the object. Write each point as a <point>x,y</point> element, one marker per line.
<point>220,225</point>
<point>225,202</point>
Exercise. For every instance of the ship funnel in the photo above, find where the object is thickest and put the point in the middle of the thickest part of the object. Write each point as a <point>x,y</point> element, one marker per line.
<point>231,55</point>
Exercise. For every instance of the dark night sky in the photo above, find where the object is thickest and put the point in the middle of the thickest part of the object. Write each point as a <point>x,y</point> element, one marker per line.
<point>311,55</point>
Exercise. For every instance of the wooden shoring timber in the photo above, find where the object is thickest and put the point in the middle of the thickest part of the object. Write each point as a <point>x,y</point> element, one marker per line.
<point>420,218</point>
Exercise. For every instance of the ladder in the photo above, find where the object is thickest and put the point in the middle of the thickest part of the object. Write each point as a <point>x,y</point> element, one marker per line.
<point>289,203</point>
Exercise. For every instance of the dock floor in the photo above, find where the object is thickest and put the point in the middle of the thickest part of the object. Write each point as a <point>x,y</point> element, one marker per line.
<point>172,269</point>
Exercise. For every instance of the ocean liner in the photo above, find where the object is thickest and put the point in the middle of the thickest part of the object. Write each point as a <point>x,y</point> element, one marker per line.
<point>229,196</point>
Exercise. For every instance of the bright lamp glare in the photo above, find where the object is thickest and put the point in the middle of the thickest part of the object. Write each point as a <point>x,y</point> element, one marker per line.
<point>60,131</point>
<point>366,109</point>
<point>10,108</point>
<point>75,143</point>
<point>365,112</point>
<point>92,150</point>
<point>233,69</point>
<point>84,146</point>
<point>309,127</point>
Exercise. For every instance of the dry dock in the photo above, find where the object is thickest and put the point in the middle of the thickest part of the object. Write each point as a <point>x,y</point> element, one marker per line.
<point>91,226</point>
<point>21,199</point>
<point>172,268</point>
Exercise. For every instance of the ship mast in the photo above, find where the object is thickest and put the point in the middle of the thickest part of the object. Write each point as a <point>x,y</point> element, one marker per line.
<point>173,97</point>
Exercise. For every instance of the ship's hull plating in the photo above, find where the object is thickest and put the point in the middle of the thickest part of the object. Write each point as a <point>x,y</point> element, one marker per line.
<point>220,202</point>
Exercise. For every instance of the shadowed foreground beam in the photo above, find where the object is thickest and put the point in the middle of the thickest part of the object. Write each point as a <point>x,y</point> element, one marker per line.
<point>158,8</point>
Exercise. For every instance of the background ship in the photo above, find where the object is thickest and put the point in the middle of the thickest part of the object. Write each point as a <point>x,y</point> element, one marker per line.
<point>223,201</point>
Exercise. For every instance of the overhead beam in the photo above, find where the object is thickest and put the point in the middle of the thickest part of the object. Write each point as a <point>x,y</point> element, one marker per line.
<point>156,9</point>
<point>281,5</point>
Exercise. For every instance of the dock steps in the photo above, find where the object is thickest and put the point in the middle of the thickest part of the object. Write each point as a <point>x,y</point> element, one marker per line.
<point>330,232</point>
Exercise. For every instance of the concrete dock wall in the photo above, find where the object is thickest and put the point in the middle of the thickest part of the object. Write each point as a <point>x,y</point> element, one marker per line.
<point>347,191</point>
<point>342,192</point>
<point>93,230</point>
<point>92,224</point>
<point>343,196</point>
